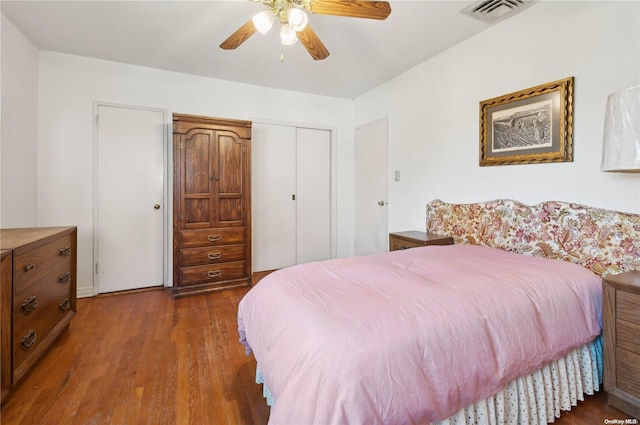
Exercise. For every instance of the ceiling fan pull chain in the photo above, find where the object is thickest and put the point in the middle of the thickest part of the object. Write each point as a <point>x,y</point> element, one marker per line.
<point>281,56</point>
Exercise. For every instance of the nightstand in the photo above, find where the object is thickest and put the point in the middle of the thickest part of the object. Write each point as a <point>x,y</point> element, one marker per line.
<point>414,238</point>
<point>621,330</point>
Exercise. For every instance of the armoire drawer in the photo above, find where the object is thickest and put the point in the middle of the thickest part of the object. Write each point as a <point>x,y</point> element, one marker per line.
<point>211,254</point>
<point>212,272</point>
<point>221,236</point>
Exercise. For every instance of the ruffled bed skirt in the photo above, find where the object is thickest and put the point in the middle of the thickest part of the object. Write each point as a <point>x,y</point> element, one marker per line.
<point>534,399</point>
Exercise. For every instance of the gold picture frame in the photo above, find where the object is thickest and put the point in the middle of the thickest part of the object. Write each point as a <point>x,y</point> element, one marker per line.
<point>530,126</point>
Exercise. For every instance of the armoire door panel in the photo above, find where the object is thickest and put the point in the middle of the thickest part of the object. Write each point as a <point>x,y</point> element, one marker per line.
<point>197,162</point>
<point>230,158</point>
<point>230,211</point>
<point>197,211</point>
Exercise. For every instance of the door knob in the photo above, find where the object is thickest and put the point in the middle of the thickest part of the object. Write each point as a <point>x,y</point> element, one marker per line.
<point>381,203</point>
<point>156,206</point>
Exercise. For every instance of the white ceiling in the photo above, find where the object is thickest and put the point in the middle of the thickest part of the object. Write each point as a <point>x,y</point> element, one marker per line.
<point>184,36</point>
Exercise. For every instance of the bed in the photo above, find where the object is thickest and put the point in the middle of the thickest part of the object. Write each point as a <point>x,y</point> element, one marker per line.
<point>501,327</point>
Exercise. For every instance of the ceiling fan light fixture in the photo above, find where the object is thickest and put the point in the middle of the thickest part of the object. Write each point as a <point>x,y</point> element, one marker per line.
<point>263,21</point>
<point>287,34</point>
<point>297,18</point>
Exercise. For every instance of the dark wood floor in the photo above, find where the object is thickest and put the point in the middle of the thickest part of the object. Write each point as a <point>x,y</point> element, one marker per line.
<point>145,358</point>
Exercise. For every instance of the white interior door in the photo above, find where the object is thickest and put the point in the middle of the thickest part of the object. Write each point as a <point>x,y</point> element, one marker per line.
<point>313,224</point>
<point>371,188</point>
<point>129,228</point>
<point>273,186</point>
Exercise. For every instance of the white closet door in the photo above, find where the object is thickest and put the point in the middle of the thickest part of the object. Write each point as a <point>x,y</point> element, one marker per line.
<point>313,195</point>
<point>273,157</point>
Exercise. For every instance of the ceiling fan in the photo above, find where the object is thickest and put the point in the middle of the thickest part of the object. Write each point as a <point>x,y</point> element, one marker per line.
<point>293,18</point>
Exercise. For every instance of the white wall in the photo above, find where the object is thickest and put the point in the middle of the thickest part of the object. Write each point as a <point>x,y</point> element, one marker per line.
<point>19,85</point>
<point>69,85</point>
<point>433,110</point>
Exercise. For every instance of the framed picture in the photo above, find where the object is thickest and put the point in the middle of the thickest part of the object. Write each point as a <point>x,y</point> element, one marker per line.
<point>528,127</point>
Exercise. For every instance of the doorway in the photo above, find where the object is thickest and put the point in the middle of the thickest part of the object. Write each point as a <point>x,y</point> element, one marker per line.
<point>130,214</point>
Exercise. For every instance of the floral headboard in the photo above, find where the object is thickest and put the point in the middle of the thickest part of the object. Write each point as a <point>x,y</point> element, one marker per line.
<point>604,241</point>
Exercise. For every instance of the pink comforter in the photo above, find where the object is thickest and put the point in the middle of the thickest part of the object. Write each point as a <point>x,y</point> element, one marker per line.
<point>410,337</point>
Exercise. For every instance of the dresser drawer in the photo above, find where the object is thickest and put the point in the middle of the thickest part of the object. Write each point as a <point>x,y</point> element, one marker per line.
<point>398,244</point>
<point>43,306</point>
<point>212,273</point>
<point>211,254</point>
<point>628,306</point>
<point>44,263</point>
<point>628,371</point>
<point>31,329</point>
<point>628,336</point>
<point>221,236</point>
<point>58,276</point>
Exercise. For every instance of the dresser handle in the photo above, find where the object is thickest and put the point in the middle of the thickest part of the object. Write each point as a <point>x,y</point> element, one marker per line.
<point>65,304</point>
<point>29,339</point>
<point>214,273</point>
<point>214,238</point>
<point>65,277</point>
<point>30,304</point>
<point>214,255</point>
<point>66,251</point>
<point>29,266</point>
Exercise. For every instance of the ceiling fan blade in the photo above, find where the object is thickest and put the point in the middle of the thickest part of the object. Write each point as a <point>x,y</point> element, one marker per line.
<point>239,37</point>
<point>352,8</point>
<point>312,43</point>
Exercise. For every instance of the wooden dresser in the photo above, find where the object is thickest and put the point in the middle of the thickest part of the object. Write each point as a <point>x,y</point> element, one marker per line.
<point>37,297</point>
<point>621,320</point>
<point>211,204</point>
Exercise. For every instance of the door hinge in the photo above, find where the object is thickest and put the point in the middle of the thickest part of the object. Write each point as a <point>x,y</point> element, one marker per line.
<point>96,268</point>
<point>97,120</point>
<point>181,145</point>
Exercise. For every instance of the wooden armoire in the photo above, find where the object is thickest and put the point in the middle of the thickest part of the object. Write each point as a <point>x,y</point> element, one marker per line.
<point>211,204</point>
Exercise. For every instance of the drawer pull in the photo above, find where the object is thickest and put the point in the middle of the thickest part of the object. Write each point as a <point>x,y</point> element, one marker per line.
<point>214,255</point>
<point>66,251</point>
<point>214,238</point>
<point>65,277</point>
<point>29,339</point>
<point>65,304</point>
<point>214,273</point>
<point>30,304</point>
<point>29,266</point>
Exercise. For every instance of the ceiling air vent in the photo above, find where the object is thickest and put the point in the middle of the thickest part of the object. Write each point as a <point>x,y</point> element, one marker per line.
<point>491,11</point>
